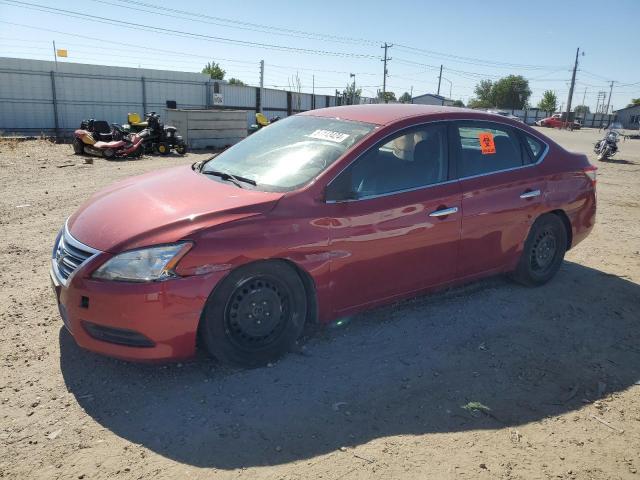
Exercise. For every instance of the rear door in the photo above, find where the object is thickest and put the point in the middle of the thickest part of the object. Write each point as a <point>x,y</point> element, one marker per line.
<point>502,194</point>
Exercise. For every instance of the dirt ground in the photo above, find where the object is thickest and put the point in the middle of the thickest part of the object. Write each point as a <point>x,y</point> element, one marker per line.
<point>492,380</point>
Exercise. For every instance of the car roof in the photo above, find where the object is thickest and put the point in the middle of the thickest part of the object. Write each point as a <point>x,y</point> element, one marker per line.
<point>383,114</point>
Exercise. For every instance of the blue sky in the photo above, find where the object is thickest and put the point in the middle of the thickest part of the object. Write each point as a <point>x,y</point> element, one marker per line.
<point>473,40</point>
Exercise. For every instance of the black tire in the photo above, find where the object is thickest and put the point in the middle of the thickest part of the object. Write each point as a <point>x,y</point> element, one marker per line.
<point>602,155</point>
<point>163,148</point>
<point>255,315</point>
<point>543,251</point>
<point>181,149</point>
<point>109,154</point>
<point>78,146</point>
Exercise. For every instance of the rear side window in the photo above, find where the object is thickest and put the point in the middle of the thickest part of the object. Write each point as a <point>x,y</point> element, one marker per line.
<point>487,148</point>
<point>536,147</point>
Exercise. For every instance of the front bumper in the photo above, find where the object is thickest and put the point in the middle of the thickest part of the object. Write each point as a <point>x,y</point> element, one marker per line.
<point>164,313</point>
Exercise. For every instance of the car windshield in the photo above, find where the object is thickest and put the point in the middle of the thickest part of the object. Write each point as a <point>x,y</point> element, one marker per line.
<point>289,153</point>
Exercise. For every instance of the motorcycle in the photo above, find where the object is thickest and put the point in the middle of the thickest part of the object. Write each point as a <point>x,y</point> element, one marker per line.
<point>608,146</point>
<point>94,137</point>
<point>162,138</point>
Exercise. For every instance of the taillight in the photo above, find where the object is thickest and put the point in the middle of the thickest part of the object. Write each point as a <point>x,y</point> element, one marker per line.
<point>590,172</point>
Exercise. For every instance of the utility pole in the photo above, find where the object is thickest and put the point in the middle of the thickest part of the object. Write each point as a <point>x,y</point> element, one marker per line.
<point>386,46</point>
<point>411,94</point>
<point>609,99</point>
<point>573,82</point>
<point>353,90</point>
<point>261,84</point>
<point>439,79</point>
<point>55,54</point>
<point>584,95</point>
<point>600,101</point>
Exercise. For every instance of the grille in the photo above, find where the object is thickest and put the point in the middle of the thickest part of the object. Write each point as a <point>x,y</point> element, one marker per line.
<point>68,255</point>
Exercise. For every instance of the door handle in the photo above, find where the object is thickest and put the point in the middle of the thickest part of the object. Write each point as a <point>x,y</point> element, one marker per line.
<point>444,212</point>
<point>530,194</point>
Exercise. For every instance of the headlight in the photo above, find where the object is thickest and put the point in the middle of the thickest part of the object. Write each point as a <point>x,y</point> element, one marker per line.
<point>143,265</point>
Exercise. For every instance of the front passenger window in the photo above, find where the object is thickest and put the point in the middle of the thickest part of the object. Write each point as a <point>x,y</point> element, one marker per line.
<point>411,159</point>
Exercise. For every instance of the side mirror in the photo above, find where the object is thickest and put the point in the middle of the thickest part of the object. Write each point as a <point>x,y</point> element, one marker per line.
<point>335,194</point>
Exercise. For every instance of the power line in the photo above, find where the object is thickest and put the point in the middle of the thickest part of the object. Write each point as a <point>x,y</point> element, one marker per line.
<point>179,33</point>
<point>231,23</point>
<point>161,50</point>
<point>471,60</point>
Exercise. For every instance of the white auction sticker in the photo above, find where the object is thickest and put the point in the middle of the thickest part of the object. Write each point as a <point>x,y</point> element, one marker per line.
<point>329,135</point>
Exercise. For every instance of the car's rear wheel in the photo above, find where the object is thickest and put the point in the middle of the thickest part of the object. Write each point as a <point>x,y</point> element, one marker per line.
<point>255,315</point>
<point>543,251</point>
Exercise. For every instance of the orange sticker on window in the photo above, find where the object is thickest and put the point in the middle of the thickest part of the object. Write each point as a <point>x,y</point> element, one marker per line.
<point>487,145</point>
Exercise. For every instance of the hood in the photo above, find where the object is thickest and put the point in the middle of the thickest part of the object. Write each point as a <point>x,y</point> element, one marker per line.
<point>162,207</point>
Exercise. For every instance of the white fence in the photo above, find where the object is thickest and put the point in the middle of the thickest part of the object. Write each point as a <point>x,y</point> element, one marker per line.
<point>39,97</point>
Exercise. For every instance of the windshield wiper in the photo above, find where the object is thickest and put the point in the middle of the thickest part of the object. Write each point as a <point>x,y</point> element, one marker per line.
<point>235,179</point>
<point>199,165</point>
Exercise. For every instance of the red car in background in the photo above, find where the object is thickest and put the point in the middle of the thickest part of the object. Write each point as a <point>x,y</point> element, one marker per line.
<point>555,121</point>
<point>320,215</point>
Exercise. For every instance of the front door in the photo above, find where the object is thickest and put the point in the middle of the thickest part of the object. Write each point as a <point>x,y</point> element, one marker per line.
<point>395,218</point>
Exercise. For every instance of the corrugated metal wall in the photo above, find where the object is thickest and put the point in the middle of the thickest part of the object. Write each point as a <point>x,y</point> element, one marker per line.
<point>28,89</point>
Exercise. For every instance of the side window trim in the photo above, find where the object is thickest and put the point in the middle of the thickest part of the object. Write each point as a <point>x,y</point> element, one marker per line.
<point>386,139</point>
<point>515,132</point>
<point>453,153</point>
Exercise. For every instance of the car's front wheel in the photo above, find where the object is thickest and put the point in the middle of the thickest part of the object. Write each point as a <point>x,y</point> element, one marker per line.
<point>255,315</point>
<point>543,251</point>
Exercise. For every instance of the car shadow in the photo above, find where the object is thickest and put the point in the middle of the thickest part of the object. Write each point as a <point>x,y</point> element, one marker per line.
<point>621,161</point>
<point>485,356</point>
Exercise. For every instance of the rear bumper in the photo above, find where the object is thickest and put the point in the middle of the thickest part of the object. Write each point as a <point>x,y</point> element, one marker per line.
<point>135,321</point>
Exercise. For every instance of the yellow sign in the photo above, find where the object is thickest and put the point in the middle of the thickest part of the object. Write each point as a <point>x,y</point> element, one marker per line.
<point>61,52</point>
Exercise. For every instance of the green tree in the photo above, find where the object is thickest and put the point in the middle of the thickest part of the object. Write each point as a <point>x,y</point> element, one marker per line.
<point>485,96</point>
<point>387,97</point>
<point>349,94</point>
<point>511,92</point>
<point>549,102</point>
<point>634,102</point>
<point>458,103</point>
<point>581,110</point>
<point>236,81</point>
<point>405,98</point>
<point>214,70</point>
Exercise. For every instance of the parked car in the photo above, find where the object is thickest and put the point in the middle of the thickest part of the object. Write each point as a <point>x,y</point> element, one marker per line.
<point>505,113</point>
<point>322,215</point>
<point>555,121</point>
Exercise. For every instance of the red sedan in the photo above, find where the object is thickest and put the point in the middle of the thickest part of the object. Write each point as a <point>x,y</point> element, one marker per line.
<point>320,215</point>
<point>555,121</point>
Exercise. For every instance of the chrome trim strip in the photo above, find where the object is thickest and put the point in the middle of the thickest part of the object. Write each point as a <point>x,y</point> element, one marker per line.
<point>395,192</point>
<point>69,239</point>
<point>444,212</point>
<point>369,197</point>
<point>75,243</point>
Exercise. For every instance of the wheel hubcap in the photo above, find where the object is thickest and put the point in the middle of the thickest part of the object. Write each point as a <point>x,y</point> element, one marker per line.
<point>257,312</point>
<point>544,250</point>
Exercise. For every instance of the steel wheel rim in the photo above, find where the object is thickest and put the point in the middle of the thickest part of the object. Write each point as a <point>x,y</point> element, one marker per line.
<point>544,250</point>
<point>257,312</point>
